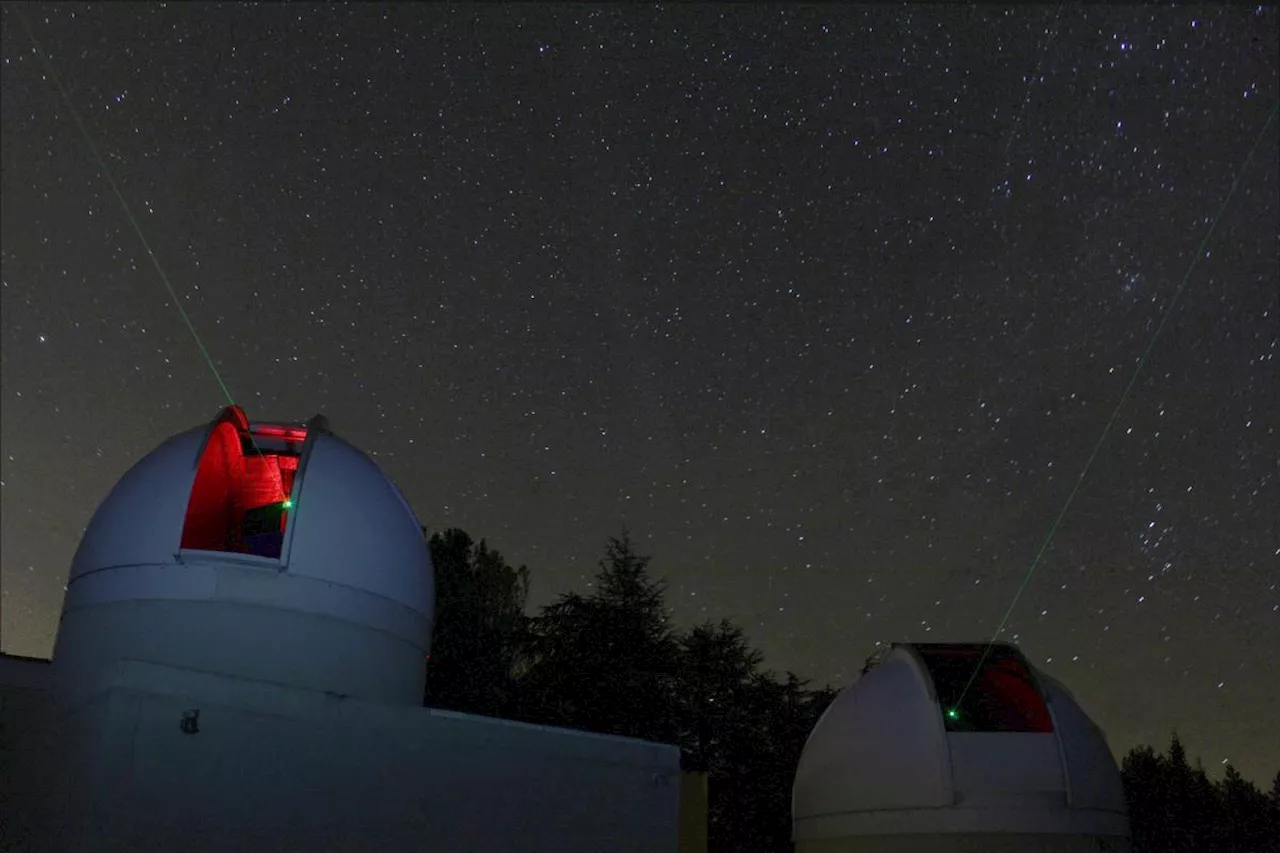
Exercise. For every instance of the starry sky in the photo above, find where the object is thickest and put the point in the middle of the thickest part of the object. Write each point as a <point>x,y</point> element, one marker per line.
<point>829,305</point>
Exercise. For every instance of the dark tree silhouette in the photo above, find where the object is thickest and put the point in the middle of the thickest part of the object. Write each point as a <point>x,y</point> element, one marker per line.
<point>1174,807</point>
<point>605,661</point>
<point>1249,816</point>
<point>746,730</point>
<point>608,660</point>
<point>750,781</point>
<point>480,626</point>
<point>717,670</point>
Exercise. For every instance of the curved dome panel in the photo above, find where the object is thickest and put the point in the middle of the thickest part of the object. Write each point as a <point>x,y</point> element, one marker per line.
<point>237,492</point>
<point>140,522</point>
<point>1091,769</point>
<point>887,722</point>
<point>267,551</point>
<point>955,740</point>
<point>353,527</point>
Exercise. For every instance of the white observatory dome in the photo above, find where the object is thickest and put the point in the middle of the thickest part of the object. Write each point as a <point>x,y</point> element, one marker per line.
<point>954,747</point>
<point>275,552</point>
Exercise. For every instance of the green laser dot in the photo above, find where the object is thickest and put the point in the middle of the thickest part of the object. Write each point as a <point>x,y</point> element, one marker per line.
<point>953,713</point>
<point>287,504</point>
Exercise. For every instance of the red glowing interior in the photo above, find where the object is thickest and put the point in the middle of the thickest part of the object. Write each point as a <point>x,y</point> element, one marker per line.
<point>240,498</point>
<point>985,689</point>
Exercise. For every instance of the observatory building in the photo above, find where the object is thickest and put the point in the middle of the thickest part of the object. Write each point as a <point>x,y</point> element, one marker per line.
<point>957,748</point>
<point>240,665</point>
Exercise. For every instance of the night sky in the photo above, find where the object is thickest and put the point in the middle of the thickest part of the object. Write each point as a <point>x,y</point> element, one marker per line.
<point>828,305</point>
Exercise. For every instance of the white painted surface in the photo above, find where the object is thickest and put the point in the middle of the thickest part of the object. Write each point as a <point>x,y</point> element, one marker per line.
<point>275,769</point>
<point>348,608</point>
<point>879,766</point>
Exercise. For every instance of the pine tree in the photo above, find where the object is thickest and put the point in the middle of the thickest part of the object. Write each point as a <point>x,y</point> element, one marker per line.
<point>717,668</point>
<point>480,625</point>
<point>606,661</point>
<point>1142,772</point>
<point>1248,823</point>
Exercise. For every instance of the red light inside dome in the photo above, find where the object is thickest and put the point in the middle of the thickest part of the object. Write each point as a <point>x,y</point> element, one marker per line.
<point>285,432</point>
<point>241,499</point>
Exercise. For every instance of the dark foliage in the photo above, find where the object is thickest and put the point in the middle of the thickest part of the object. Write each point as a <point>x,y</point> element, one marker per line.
<point>746,730</point>
<point>605,661</point>
<point>609,661</point>
<point>1175,808</point>
<point>480,626</point>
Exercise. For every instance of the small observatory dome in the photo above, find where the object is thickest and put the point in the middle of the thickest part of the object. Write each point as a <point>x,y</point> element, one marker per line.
<point>267,551</point>
<point>957,747</point>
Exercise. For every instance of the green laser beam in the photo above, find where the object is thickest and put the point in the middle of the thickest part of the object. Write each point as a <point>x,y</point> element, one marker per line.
<point>1142,361</point>
<point>128,212</point>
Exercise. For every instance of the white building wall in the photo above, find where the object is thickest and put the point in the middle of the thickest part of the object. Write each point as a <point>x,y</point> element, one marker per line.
<point>241,637</point>
<point>961,843</point>
<point>280,769</point>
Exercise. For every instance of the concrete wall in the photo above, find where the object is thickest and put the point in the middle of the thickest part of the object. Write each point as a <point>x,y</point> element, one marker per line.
<point>280,769</point>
